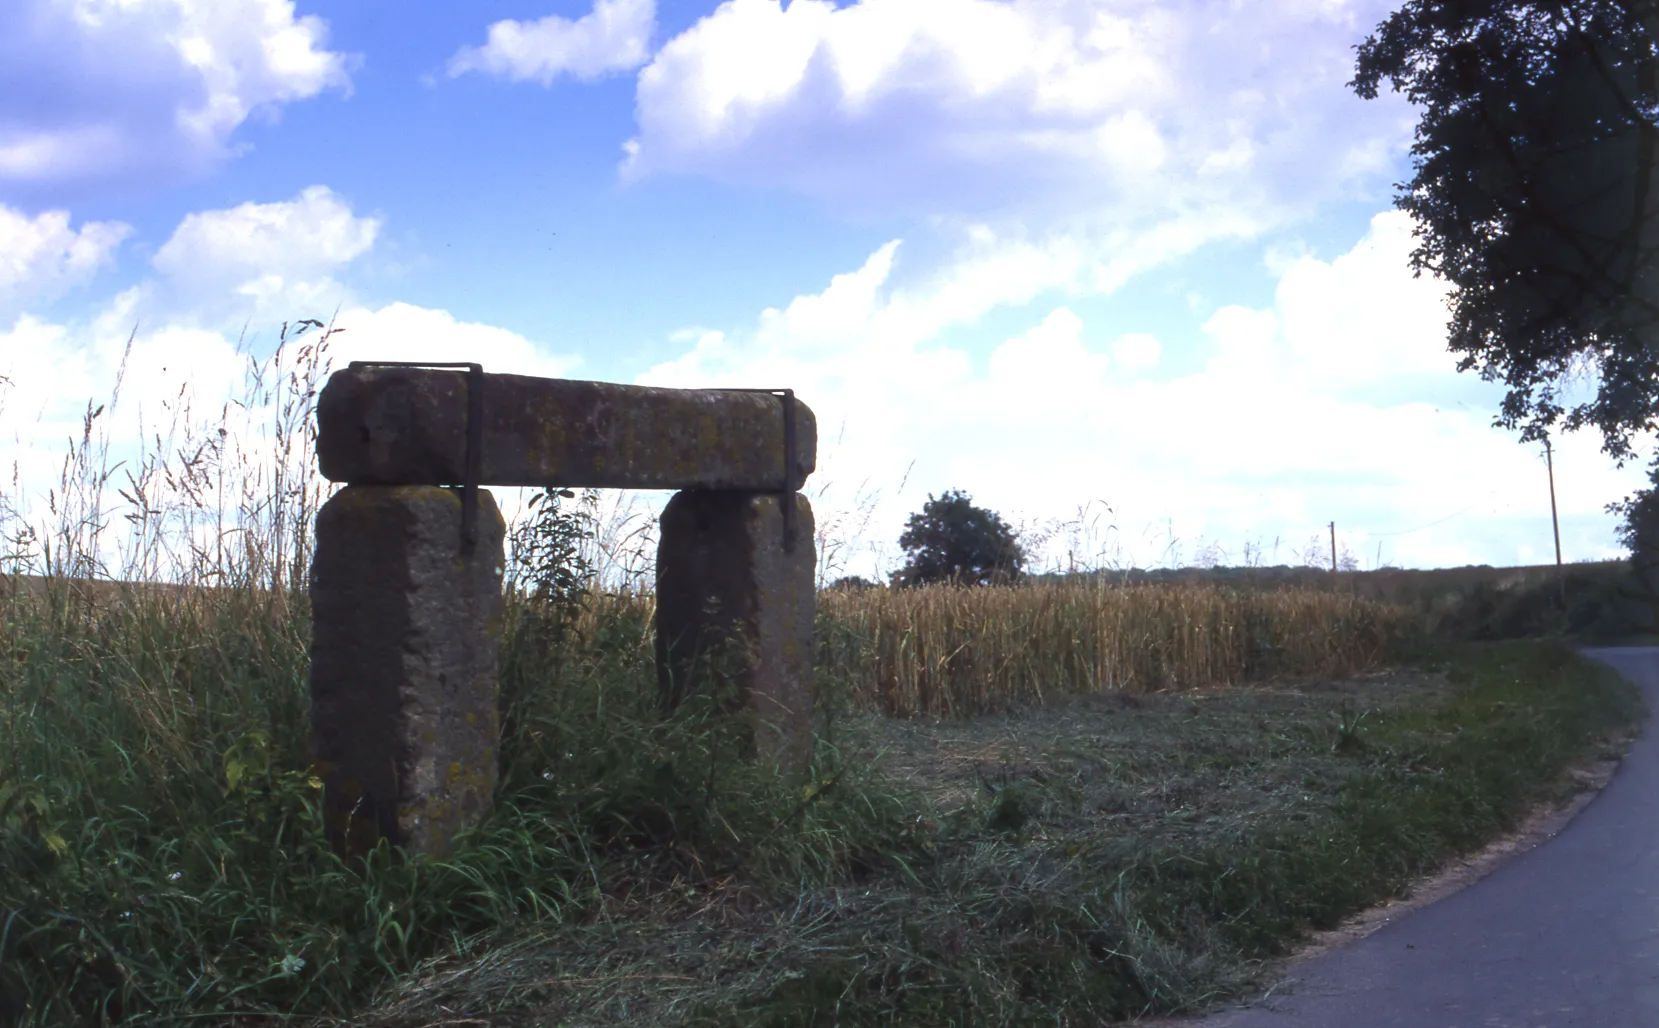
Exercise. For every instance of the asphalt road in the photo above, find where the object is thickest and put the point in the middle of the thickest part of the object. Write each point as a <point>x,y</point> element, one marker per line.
<point>1565,934</point>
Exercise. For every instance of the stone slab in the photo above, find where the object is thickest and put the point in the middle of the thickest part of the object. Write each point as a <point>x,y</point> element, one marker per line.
<point>406,630</point>
<point>391,426</point>
<point>735,609</point>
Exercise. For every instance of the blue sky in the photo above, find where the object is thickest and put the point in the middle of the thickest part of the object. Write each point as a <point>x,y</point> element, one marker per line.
<point>1126,271</point>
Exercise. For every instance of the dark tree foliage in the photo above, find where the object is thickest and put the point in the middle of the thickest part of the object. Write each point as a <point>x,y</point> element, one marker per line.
<point>853,584</point>
<point>951,540</point>
<point>1640,535</point>
<point>1535,195</point>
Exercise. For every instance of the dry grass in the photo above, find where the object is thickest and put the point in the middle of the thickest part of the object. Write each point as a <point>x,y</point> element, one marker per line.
<point>962,651</point>
<point>945,650</point>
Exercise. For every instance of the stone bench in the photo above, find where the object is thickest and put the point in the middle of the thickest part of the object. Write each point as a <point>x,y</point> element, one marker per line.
<point>407,575</point>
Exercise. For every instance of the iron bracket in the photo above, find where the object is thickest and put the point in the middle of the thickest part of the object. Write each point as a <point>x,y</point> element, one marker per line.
<point>786,493</point>
<point>475,438</point>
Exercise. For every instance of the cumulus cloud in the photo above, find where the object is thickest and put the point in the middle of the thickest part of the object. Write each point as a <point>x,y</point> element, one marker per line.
<point>614,37</point>
<point>1137,351</point>
<point>257,259</point>
<point>405,332</point>
<point>315,232</point>
<point>1257,435</point>
<point>42,257</point>
<point>165,353</point>
<point>154,390</point>
<point>97,91</point>
<point>55,370</point>
<point>1135,109</point>
<point>135,385</point>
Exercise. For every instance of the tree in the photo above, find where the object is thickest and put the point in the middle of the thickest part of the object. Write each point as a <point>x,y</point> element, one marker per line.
<point>951,540</point>
<point>1535,195</point>
<point>1640,535</point>
<point>853,584</point>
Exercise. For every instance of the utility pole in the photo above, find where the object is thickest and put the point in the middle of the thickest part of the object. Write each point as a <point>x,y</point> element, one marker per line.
<point>1333,547</point>
<point>1555,522</point>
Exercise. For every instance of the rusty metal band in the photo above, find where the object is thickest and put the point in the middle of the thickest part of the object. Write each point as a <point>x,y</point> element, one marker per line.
<point>475,437</point>
<point>786,494</point>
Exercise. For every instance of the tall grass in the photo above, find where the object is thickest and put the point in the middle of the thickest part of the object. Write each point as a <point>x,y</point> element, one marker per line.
<point>948,650</point>
<point>161,851</point>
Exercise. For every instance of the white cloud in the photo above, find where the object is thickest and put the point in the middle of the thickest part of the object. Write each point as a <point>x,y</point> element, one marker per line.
<point>175,383</point>
<point>1131,110</point>
<point>43,257</point>
<point>55,370</point>
<point>167,351</point>
<point>614,37</point>
<point>1137,351</point>
<point>98,91</point>
<point>1264,436</point>
<point>139,384</point>
<point>1318,300</point>
<point>262,259</point>
<point>314,232</point>
<point>1050,360</point>
<point>1067,146</point>
<point>405,332</point>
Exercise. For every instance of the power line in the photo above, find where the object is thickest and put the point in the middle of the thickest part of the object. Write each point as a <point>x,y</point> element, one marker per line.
<point>1431,524</point>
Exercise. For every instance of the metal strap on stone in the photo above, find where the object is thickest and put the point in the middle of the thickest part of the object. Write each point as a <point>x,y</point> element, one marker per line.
<point>475,437</point>
<point>787,489</point>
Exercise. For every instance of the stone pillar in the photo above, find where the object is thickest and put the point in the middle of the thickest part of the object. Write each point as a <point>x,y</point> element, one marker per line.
<point>405,632</point>
<point>731,601</point>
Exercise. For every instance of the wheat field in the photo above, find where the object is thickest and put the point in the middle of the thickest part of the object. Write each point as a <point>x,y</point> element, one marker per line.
<point>959,651</point>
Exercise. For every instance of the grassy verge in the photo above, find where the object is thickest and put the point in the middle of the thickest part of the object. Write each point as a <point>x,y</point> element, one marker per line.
<point>1104,859</point>
<point>161,857</point>
<point>1099,858</point>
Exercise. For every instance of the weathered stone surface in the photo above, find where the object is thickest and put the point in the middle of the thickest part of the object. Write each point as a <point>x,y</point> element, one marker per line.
<point>406,628</point>
<point>731,601</point>
<point>391,426</point>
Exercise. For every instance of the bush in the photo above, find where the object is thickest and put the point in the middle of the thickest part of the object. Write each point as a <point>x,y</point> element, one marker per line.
<point>952,541</point>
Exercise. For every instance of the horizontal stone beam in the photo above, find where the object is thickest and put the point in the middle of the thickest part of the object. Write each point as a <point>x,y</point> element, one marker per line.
<point>408,426</point>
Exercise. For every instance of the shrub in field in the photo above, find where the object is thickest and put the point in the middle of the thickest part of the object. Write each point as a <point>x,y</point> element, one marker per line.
<point>951,540</point>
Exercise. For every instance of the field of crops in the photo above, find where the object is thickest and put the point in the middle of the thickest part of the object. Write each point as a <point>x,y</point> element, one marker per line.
<point>958,651</point>
<point>962,651</point>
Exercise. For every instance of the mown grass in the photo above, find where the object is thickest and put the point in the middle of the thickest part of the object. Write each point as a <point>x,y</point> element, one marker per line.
<point>1097,860</point>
